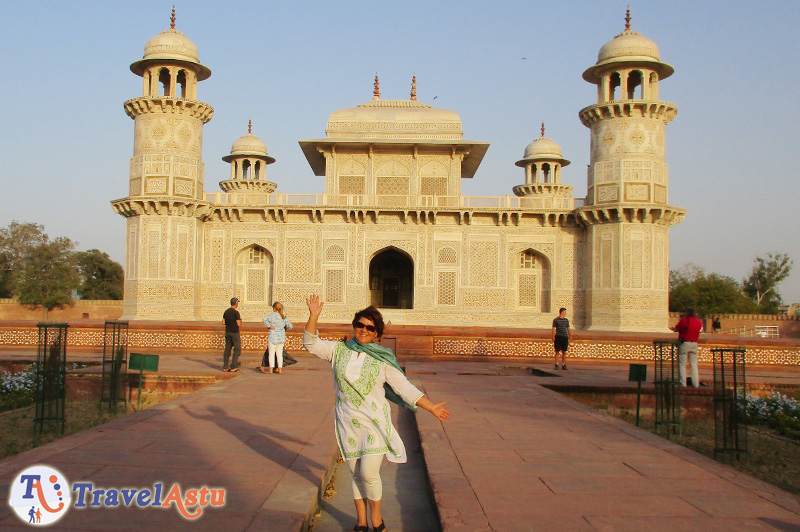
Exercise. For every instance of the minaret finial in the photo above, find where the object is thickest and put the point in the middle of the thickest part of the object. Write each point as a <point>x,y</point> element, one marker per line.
<point>414,87</point>
<point>172,19</point>
<point>250,126</point>
<point>543,129</point>
<point>628,18</point>
<point>376,93</point>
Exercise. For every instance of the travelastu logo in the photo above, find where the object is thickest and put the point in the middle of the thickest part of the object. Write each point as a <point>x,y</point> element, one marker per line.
<point>40,496</point>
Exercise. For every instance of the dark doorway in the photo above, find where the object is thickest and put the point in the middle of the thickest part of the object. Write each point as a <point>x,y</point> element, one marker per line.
<point>391,280</point>
<point>391,292</point>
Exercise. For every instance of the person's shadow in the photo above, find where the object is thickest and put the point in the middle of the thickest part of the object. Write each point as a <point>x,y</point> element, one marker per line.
<point>266,442</point>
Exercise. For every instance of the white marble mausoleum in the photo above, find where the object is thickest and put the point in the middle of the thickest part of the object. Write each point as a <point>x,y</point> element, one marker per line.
<point>391,227</point>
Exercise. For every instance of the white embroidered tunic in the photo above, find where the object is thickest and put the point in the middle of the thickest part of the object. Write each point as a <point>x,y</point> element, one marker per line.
<point>363,419</point>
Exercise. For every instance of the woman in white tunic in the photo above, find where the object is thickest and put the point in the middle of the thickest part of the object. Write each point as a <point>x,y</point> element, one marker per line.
<point>365,375</point>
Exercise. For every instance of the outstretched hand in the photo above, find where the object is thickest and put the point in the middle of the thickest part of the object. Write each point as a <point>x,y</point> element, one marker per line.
<point>314,305</point>
<point>437,409</point>
<point>440,411</point>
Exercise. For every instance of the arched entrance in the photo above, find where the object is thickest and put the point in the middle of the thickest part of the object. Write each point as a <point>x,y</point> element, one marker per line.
<point>254,275</point>
<point>391,280</point>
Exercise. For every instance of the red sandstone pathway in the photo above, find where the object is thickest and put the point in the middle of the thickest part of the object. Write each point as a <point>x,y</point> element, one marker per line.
<point>514,456</point>
<point>266,439</point>
<point>518,457</point>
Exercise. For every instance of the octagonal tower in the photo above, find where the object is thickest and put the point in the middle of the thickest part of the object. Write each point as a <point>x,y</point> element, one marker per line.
<point>166,181</point>
<point>627,212</point>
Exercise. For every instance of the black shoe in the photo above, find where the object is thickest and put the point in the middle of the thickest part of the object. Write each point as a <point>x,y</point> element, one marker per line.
<point>361,528</point>
<point>563,366</point>
<point>379,528</point>
<point>556,366</point>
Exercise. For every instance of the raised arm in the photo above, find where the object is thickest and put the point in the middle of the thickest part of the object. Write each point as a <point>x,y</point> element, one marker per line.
<point>436,409</point>
<point>314,310</point>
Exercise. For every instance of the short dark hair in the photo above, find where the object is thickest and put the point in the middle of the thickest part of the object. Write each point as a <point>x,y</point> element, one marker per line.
<point>371,313</point>
<point>690,312</point>
<point>562,309</point>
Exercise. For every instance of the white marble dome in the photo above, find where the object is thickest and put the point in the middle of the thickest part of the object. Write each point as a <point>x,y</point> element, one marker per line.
<point>542,148</point>
<point>393,118</point>
<point>171,45</point>
<point>249,145</point>
<point>628,47</point>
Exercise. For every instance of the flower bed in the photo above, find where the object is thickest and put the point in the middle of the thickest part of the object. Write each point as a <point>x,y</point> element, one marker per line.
<point>17,389</point>
<point>776,410</point>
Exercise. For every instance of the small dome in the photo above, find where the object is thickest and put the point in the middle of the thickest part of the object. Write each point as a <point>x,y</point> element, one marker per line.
<point>628,47</point>
<point>542,149</point>
<point>171,45</point>
<point>249,145</point>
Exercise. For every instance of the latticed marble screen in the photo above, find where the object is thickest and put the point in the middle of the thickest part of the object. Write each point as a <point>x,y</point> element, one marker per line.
<point>392,186</point>
<point>434,186</point>
<point>334,286</point>
<point>446,288</point>
<point>351,184</point>
<point>447,255</point>
<point>334,253</point>
<point>256,283</point>
<point>528,290</point>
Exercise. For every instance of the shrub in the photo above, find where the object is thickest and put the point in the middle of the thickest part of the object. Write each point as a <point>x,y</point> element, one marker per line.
<point>17,389</point>
<point>778,411</point>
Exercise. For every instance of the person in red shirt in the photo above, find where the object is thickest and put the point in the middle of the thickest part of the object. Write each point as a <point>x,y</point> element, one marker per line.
<point>688,330</point>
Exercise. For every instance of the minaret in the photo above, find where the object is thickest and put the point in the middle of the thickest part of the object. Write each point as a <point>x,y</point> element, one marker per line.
<point>248,159</point>
<point>166,194</point>
<point>626,211</point>
<point>543,189</point>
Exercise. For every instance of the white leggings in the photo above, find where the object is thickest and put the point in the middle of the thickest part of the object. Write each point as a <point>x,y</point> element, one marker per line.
<point>367,477</point>
<point>275,349</point>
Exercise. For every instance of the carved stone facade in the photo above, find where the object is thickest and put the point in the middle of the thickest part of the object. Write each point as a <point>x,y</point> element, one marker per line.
<point>392,227</point>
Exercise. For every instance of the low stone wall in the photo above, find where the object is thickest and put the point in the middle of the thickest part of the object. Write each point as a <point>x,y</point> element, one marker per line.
<point>166,337</point>
<point>788,326</point>
<point>84,309</point>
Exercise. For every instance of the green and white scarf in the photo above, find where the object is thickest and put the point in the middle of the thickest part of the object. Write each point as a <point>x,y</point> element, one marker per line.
<point>386,356</point>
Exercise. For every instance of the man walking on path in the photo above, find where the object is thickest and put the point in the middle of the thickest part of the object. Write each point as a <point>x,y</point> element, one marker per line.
<point>232,320</point>
<point>561,336</point>
<point>688,330</point>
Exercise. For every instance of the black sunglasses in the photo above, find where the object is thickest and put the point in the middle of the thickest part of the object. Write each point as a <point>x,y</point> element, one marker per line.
<point>370,328</point>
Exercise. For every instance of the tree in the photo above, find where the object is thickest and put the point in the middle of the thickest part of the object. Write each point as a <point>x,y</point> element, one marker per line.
<point>101,277</point>
<point>16,242</point>
<point>48,275</point>
<point>762,283</point>
<point>709,294</point>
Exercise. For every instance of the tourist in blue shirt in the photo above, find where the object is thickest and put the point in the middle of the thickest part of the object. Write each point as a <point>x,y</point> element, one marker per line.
<point>278,323</point>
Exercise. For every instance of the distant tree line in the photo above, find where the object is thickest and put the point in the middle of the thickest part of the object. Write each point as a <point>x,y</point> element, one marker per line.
<point>44,272</point>
<point>712,294</point>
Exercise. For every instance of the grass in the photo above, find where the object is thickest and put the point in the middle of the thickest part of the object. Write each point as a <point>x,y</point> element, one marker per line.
<point>770,457</point>
<point>18,435</point>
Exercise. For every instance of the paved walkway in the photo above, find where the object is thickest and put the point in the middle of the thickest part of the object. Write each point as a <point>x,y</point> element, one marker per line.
<point>266,439</point>
<point>514,456</point>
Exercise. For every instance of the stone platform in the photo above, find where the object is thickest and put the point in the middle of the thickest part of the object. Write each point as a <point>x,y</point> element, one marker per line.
<point>514,456</point>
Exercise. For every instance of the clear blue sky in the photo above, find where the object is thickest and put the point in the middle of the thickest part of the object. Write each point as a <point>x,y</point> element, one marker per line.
<point>65,140</point>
